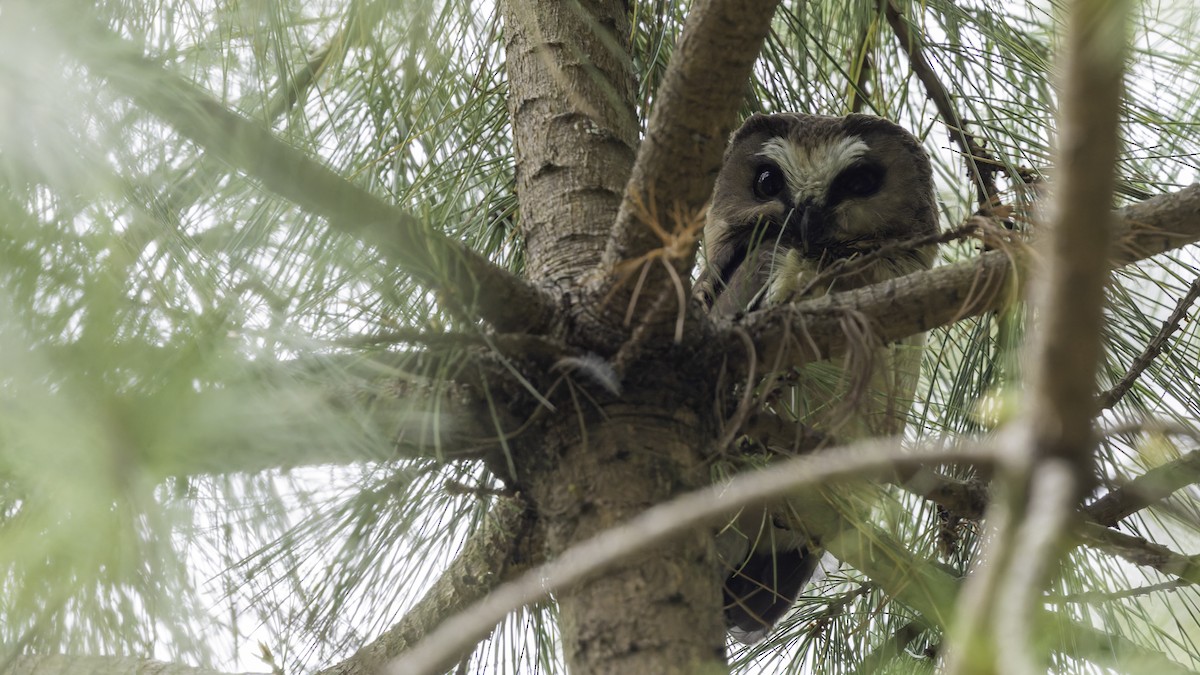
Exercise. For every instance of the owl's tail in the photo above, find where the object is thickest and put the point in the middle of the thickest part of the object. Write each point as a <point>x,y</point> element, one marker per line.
<point>760,591</point>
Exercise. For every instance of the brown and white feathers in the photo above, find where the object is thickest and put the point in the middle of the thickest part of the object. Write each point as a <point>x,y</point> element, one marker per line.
<point>799,199</point>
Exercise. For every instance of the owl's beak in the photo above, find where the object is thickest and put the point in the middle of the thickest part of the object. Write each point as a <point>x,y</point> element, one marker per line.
<point>807,220</point>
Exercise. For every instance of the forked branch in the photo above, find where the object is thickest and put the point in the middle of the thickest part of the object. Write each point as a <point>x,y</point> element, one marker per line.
<point>693,114</point>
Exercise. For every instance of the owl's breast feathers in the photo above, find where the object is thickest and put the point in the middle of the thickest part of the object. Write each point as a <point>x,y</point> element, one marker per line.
<point>806,205</point>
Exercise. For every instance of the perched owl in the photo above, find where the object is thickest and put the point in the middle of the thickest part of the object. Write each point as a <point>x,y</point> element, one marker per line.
<point>796,194</point>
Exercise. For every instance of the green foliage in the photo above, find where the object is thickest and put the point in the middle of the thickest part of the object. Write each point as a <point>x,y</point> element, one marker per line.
<point>181,473</point>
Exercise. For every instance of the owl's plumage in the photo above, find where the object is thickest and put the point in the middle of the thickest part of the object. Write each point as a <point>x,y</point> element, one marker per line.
<point>797,193</point>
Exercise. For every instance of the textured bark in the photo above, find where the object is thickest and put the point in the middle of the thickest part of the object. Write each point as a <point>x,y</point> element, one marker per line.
<point>694,112</point>
<point>571,100</point>
<point>657,612</point>
<point>1065,346</point>
<point>573,108</point>
<point>678,160</point>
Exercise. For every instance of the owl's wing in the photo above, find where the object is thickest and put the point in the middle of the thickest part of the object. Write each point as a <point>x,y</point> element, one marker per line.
<point>768,558</point>
<point>734,292</point>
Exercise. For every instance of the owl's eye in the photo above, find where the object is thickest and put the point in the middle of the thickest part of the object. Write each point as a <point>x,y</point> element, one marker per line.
<point>859,181</point>
<point>769,182</point>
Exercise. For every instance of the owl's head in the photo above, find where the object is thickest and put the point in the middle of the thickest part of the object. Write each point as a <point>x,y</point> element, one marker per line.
<point>814,189</point>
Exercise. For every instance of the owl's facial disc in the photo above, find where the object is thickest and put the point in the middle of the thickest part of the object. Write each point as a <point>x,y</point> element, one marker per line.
<point>797,192</point>
<point>813,182</point>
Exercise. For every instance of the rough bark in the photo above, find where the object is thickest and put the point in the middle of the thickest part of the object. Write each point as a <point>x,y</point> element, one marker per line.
<point>693,115</point>
<point>677,162</point>
<point>571,100</point>
<point>656,612</point>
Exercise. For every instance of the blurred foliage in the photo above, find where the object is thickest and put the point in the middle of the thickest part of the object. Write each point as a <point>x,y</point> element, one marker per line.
<point>174,478</point>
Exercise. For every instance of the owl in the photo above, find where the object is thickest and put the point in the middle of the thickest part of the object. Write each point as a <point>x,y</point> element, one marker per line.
<point>798,200</point>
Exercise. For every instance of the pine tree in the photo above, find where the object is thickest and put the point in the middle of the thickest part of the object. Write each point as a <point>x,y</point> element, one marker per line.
<point>347,337</point>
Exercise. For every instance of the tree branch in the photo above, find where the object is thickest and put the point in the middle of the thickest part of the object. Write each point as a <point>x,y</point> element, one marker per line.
<point>467,280</point>
<point>189,181</point>
<point>1065,350</point>
<point>507,545</point>
<point>812,330</point>
<point>1145,490</point>
<point>893,647</point>
<point>693,114</point>
<point>981,165</point>
<point>1051,444</point>
<point>1108,399</point>
<point>402,402</point>
<point>575,128</point>
<point>928,589</point>
<point>655,526</point>
<point>1140,551</point>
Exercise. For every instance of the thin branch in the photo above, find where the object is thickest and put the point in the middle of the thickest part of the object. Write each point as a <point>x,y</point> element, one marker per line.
<point>1145,490</point>
<point>925,300</point>
<point>1123,654</point>
<point>891,648</point>
<point>506,546</point>
<point>694,112</point>
<point>467,280</point>
<point>1066,349</point>
<point>981,165</point>
<point>659,524</point>
<point>969,498</point>
<point>845,267</point>
<point>1140,551</point>
<point>1110,398</point>
<point>861,70</point>
<point>1111,596</point>
<point>1048,515</point>
<point>1050,453</point>
<point>929,589</point>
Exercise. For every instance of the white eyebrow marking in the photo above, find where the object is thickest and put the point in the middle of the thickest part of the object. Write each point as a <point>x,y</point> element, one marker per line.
<point>810,169</point>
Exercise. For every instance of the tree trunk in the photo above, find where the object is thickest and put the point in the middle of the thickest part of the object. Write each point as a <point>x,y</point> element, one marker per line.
<point>575,131</point>
<point>659,612</point>
<point>571,100</point>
